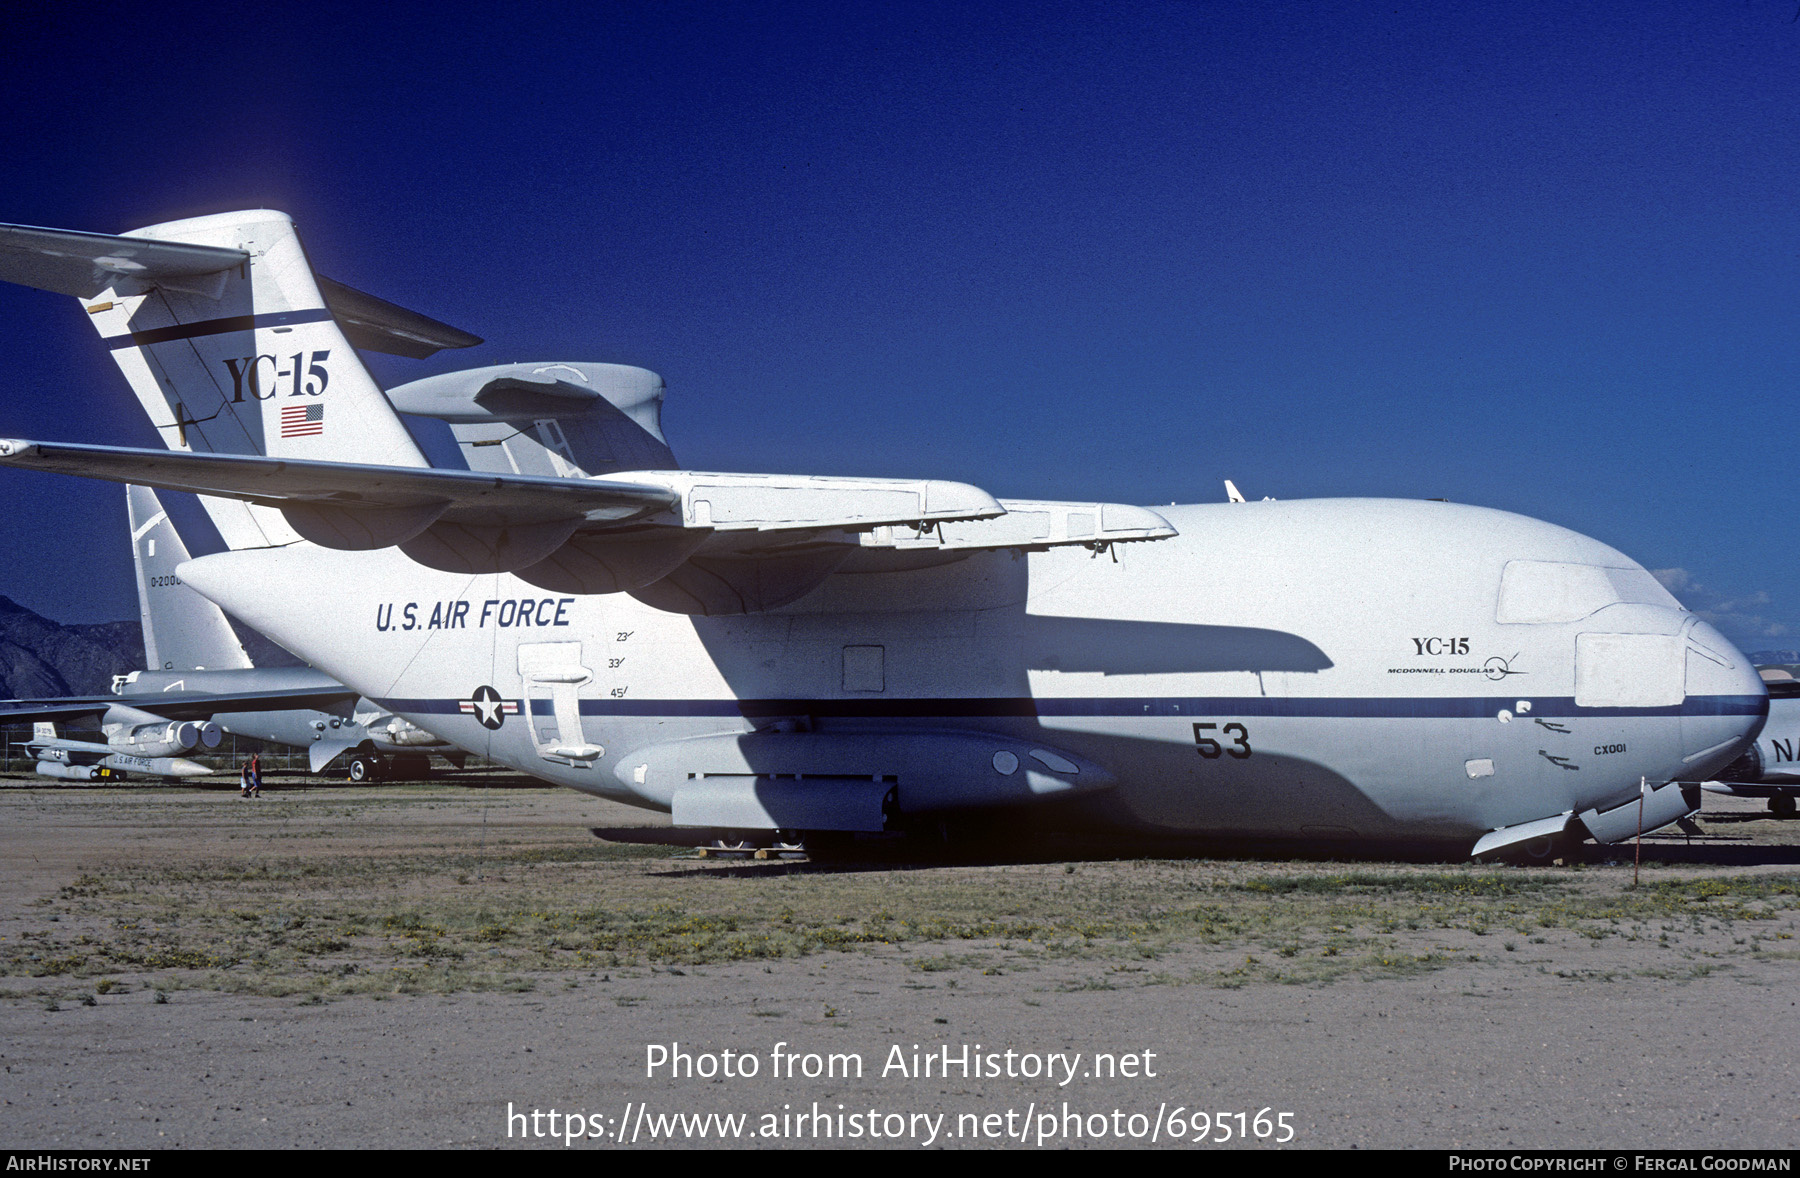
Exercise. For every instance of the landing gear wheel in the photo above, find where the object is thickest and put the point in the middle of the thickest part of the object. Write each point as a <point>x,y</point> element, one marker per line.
<point>364,769</point>
<point>1782,805</point>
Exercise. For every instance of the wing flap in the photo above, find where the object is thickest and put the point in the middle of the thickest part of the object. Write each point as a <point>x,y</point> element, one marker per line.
<point>1030,523</point>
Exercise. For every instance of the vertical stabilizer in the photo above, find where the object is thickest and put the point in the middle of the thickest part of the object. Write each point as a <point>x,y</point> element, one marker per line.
<point>43,731</point>
<point>247,360</point>
<point>183,631</point>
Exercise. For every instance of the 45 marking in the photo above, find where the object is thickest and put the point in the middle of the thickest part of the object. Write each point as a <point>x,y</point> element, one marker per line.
<point>1210,748</point>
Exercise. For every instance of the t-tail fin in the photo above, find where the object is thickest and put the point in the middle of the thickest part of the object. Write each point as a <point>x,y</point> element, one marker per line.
<point>233,345</point>
<point>183,631</point>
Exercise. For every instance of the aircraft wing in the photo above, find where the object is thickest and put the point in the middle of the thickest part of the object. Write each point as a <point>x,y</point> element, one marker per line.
<point>355,488</point>
<point>173,705</point>
<point>357,506</point>
<point>78,752</point>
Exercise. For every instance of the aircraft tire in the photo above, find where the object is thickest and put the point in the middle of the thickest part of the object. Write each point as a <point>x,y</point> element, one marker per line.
<point>1782,806</point>
<point>361,770</point>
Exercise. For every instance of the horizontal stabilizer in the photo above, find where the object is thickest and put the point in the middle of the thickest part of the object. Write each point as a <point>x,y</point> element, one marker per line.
<point>84,265</point>
<point>68,262</point>
<point>376,325</point>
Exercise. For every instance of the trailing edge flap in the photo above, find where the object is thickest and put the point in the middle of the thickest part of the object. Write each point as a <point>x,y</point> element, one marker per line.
<point>502,523</point>
<point>69,262</point>
<point>173,705</point>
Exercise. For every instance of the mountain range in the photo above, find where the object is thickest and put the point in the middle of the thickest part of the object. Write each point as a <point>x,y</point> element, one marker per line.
<point>42,659</point>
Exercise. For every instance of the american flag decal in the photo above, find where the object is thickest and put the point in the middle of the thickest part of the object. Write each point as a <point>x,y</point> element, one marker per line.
<point>298,421</point>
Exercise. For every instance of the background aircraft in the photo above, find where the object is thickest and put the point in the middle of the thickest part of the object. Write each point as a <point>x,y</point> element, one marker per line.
<point>189,647</point>
<point>141,749</point>
<point>1770,768</point>
<point>844,656</point>
<point>201,683</point>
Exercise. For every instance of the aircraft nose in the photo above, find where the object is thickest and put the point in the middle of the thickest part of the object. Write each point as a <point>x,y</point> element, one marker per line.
<point>1727,703</point>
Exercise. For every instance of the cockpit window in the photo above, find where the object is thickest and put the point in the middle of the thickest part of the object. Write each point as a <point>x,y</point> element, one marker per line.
<point>1552,591</point>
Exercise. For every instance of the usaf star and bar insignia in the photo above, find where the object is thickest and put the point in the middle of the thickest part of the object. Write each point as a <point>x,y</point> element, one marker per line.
<point>487,707</point>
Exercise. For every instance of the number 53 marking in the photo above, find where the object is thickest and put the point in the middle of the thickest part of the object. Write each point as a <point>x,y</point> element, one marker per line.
<point>1210,748</point>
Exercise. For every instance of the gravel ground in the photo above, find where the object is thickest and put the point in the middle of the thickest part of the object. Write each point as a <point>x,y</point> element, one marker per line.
<point>1640,1029</point>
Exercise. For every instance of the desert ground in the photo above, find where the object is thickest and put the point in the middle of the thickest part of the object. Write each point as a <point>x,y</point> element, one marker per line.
<point>406,964</point>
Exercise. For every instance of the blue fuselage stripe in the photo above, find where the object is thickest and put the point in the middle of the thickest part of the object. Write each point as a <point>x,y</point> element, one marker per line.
<point>1461,708</point>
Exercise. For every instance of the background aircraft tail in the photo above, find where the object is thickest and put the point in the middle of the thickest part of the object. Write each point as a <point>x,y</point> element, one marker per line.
<point>183,631</point>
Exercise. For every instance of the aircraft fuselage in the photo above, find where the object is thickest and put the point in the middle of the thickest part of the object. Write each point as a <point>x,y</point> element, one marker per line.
<point>1326,668</point>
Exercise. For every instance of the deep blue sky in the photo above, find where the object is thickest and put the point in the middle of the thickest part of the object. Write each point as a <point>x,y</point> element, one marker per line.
<point>1542,257</point>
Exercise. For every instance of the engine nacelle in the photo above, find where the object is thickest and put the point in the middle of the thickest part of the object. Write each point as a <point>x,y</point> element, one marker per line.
<point>171,738</point>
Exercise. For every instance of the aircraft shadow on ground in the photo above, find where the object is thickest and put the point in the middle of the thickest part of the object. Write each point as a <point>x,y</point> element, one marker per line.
<point>1708,853</point>
<point>898,856</point>
<point>901,856</point>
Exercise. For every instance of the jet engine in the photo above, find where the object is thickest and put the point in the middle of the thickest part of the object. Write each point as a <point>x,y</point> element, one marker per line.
<point>170,738</point>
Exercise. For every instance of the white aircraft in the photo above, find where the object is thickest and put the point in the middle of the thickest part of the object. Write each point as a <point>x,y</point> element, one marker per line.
<point>141,747</point>
<point>843,656</point>
<point>189,648</point>
<point>1770,768</point>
